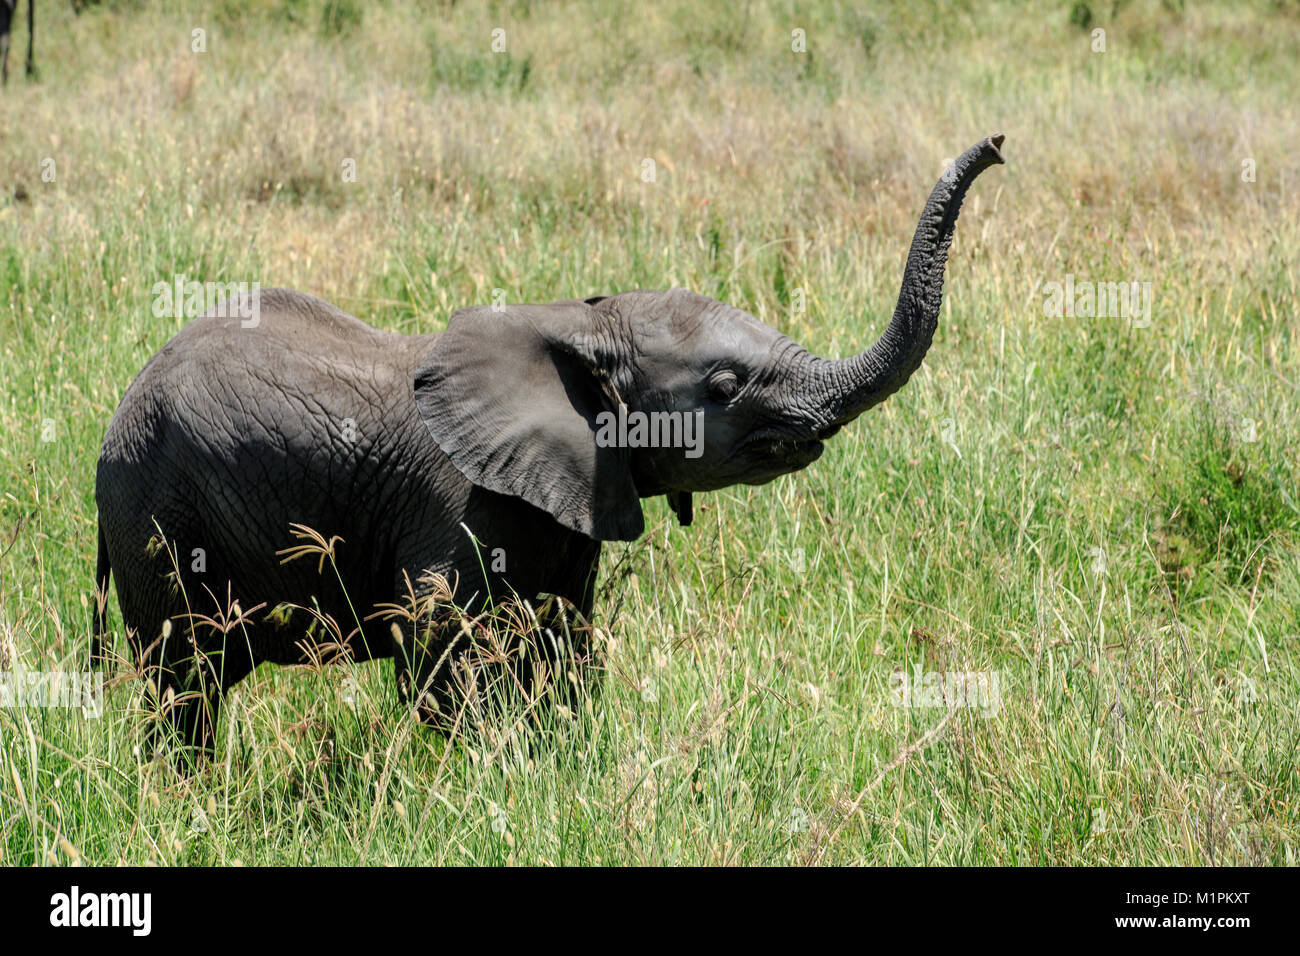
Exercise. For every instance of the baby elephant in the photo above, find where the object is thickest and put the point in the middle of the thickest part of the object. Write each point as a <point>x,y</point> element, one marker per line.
<point>490,460</point>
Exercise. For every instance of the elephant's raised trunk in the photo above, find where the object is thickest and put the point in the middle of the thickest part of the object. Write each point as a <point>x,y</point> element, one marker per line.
<point>856,384</point>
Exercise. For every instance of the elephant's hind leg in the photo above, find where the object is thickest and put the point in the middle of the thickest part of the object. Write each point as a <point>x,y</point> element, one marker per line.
<point>187,664</point>
<point>189,696</point>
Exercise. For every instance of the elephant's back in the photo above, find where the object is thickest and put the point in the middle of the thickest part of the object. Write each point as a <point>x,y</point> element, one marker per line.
<point>264,326</point>
<point>273,377</point>
<point>258,350</point>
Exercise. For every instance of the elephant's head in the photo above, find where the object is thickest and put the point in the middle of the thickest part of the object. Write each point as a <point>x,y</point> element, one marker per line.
<point>525,400</point>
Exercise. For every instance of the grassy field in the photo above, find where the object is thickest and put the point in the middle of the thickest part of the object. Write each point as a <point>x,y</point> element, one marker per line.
<point>1099,511</point>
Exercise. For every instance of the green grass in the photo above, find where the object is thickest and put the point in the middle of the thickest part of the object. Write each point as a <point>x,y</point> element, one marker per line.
<point>1072,503</point>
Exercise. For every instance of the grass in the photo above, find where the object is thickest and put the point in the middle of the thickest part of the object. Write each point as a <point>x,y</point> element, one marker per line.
<point>1102,513</point>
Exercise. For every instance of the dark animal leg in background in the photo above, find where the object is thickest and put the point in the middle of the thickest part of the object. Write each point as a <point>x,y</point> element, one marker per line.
<point>7,10</point>
<point>6,20</point>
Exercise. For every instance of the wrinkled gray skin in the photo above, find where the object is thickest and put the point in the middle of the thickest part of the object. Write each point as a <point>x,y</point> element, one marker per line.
<point>229,435</point>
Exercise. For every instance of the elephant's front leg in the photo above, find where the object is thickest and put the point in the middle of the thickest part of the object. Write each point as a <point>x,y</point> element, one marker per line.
<point>459,664</point>
<point>558,663</point>
<point>433,657</point>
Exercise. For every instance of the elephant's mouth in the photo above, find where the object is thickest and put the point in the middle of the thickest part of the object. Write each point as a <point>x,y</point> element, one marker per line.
<point>796,451</point>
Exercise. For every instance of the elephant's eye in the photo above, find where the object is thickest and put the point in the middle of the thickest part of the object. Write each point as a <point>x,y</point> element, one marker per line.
<point>723,386</point>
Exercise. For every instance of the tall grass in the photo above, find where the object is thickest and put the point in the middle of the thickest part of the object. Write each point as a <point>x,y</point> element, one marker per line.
<point>1101,511</point>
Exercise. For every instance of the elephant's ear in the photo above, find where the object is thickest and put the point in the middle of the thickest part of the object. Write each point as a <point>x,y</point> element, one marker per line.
<point>511,396</point>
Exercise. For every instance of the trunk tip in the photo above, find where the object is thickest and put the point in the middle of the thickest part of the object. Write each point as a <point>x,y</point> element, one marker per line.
<point>995,144</point>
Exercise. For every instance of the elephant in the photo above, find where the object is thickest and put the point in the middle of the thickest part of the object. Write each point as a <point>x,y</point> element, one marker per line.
<point>495,457</point>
